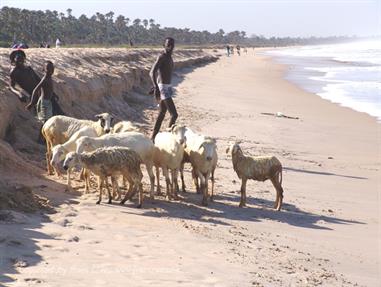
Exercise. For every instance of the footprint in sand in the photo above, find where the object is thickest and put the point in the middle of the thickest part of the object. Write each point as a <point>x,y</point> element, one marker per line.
<point>64,222</point>
<point>72,238</point>
<point>102,253</point>
<point>94,242</point>
<point>84,227</point>
<point>34,280</point>
<point>61,249</point>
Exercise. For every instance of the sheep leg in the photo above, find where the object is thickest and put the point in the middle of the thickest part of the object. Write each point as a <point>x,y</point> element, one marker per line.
<point>82,174</point>
<point>130,191</point>
<point>48,156</point>
<point>243,193</point>
<point>206,191</point>
<point>68,181</point>
<point>279,193</point>
<point>151,179</point>
<point>109,191</point>
<point>212,179</point>
<point>140,187</point>
<point>203,188</point>
<point>86,174</point>
<point>195,181</point>
<point>174,185</point>
<point>182,177</point>
<point>158,188</point>
<point>115,188</point>
<point>100,186</point>
<point>168,183</point>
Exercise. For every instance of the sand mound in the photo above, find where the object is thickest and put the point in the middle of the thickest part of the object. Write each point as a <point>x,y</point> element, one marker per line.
<point>20,197</point>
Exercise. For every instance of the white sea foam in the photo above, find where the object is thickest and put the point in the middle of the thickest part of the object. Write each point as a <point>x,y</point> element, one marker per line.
<point>350,74</point>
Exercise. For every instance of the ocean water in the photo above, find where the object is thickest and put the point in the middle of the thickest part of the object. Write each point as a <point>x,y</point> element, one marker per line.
<point>348,74</point>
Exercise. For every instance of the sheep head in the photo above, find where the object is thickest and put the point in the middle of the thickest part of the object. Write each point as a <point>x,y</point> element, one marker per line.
<point>179,132</point>
<point>72,158</point>
<point>209,147</point>
<point>233,148</point>
<point>58,153</point>
<point>83,144</point>
<point>105,120</point>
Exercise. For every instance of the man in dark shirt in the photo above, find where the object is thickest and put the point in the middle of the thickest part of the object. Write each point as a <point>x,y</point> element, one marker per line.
<point>161,76</point>
<point>24,76</point>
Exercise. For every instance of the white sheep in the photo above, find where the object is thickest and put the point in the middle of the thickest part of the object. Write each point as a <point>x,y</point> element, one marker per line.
<point>125,126</point>
<point>59,129</point>
<point>111,161</point>
<point>259,168</point>
<point>201,152</point>
<point>133,140</point>
<point>59,152</point>
<point>168,155</point>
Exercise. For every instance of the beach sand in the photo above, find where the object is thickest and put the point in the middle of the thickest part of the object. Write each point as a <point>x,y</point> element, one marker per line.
<point>328,233</point>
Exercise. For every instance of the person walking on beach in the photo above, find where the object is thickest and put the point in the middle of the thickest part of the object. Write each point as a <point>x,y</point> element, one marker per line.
<point>228,50</point>
<point>161,76</point>
<point>238,50</point>
<point>58,43</point>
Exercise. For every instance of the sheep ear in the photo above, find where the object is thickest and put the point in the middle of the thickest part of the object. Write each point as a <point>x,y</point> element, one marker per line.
<point>98,116</point>
<point>201,145</point>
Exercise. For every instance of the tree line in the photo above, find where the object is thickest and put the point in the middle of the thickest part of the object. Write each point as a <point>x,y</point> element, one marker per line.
<point>35,27</point>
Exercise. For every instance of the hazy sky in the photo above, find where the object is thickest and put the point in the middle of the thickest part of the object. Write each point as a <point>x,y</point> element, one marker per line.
<point>268,18</point>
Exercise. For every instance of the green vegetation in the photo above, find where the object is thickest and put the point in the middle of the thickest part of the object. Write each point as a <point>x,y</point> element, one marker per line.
<point>35,27</point>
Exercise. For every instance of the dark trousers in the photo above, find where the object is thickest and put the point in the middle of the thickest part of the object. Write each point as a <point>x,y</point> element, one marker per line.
<point>165,105</point>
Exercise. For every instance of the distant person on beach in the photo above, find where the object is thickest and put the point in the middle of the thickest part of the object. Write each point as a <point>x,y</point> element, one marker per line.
<point>58,43</point>
<point>238,50</point>
<point>232,50</point>
<point>20,46</point>
<point>228,50</point>
<point>161,76</point>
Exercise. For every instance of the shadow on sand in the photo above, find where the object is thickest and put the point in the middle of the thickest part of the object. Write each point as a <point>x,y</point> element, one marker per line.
<point>322,173</point>
<point>19,233</point>
<point>224,209</point>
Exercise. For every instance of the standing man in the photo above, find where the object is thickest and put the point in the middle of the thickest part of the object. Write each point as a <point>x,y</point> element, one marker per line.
<point>161,76</point>
<point>238,50</point>
<point>43,102</point>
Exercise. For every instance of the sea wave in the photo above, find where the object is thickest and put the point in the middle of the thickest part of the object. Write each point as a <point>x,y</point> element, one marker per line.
<point>349,74</point>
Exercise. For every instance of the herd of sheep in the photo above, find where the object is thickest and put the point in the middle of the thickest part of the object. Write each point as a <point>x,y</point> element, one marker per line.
<point>119,151</point>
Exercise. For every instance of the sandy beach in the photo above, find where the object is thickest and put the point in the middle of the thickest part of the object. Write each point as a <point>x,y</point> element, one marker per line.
<point>328,233</point>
